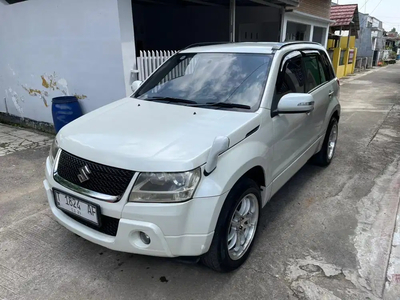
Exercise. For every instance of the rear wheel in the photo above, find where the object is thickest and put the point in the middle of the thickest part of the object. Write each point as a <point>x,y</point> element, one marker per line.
<point>236,228</point>
<point>325,155</point>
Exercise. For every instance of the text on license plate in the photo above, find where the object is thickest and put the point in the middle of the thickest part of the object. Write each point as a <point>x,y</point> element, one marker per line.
<point>77,207</point>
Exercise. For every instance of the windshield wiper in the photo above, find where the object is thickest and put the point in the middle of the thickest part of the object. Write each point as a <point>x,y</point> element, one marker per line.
<point>228,105</point>
<point>216,104</point>
<point>171,99</point>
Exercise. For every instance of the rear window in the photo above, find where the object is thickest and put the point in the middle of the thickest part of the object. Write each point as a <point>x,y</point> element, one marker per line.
<point>327,66</point>
<point>313,74</point>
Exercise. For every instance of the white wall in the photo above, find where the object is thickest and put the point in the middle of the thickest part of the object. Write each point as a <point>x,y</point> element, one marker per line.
<point>306,19</point>
<point>53,47</point>
<point>127,42</point>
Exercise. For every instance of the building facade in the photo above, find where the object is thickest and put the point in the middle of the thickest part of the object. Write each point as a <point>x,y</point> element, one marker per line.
<point>308,22</point>
<point>370,41</point>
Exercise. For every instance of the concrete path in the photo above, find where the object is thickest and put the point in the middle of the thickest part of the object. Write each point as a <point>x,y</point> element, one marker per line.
<point>328,234</point>
<point>14,139</point>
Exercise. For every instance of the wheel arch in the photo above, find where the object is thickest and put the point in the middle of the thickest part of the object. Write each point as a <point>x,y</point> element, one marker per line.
<point>227,174</point>
<point>257,174</point>
<point>333,112</point>
<point>336,115</point>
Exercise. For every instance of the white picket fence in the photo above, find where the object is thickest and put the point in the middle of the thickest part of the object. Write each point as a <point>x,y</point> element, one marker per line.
<point>149,61</point>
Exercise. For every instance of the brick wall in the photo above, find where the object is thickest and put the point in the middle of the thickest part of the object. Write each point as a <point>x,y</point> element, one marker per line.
<point>320,8</point>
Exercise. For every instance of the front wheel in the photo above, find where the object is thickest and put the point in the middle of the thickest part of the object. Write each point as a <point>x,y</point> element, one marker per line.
<point>324,157</point>
<point>236,228</point>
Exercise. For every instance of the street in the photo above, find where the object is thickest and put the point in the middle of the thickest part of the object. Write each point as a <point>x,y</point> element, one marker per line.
<point>327,234</point>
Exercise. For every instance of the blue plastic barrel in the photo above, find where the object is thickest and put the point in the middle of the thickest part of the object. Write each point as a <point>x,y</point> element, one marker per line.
<point>65,109</point>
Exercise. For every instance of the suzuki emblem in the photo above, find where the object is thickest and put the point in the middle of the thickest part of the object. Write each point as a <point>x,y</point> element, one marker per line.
<point>83,174</point>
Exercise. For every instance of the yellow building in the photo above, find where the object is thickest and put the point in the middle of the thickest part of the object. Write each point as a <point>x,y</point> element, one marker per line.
<point>342,47</point>
<point>343,53</point>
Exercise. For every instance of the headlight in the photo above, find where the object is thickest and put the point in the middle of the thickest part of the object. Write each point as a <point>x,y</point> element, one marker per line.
<point>53,150</point>
<point>165,187</point>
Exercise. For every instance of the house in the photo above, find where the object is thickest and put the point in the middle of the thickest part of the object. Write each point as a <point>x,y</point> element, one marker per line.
<point>392,41</point>
<point>342,37</point>
<point>370,42</point>
<point>193,21</point>
<point>91,48</point>
<point>308,22</point>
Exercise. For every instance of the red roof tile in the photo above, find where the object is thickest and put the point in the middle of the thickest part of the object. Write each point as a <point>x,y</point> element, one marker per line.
<point>343,14</point>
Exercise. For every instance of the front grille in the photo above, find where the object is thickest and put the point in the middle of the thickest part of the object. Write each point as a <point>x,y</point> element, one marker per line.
<point>102,179</point>
<point>108,226</point>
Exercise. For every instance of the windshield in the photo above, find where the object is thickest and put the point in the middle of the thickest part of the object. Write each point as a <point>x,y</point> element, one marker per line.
<point>209,79</point>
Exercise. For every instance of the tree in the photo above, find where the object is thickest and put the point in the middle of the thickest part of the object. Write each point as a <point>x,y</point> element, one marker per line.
<point>393,30</point>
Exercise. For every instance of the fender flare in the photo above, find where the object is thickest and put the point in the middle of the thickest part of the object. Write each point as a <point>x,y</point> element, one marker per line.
<point>337,110</point>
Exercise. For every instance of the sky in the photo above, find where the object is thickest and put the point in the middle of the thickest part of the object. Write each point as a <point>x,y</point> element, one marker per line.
<point>388,11</point>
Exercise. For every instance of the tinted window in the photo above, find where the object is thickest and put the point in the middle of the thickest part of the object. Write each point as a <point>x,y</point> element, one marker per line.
<point>313,76</point>
<point>321,71</point>
<point>329,73</point>
<point>210,77</point>
<point>291,79</point>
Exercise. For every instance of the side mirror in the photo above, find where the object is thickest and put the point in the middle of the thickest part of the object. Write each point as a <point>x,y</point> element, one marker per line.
<point>295,104</point>
<point>135,85</point>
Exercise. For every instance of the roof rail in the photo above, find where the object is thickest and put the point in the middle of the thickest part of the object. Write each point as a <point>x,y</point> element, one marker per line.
<point>285,44</point>
<point>204,44</point>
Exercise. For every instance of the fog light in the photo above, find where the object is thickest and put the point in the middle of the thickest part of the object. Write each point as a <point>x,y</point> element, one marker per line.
<point>145,238</point>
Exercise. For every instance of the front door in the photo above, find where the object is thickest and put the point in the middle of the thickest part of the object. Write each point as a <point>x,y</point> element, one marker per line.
<point>293,133</point>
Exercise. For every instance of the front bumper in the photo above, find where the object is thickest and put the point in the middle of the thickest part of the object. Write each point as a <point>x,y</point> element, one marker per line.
<point>175,229</point>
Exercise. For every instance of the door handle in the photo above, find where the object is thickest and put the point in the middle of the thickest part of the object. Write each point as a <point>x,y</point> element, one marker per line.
<point>331,94</point>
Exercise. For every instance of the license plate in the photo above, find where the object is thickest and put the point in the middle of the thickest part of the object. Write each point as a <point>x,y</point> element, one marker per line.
<point>77,207</point>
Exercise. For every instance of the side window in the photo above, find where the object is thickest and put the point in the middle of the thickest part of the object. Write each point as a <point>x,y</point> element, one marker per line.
<point>313,75</point>
<point>291,78</point>
<point>329,73</point>
<point>322,71</point>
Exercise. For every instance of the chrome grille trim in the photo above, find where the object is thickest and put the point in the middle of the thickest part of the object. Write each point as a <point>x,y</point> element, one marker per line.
<point>78,189</point>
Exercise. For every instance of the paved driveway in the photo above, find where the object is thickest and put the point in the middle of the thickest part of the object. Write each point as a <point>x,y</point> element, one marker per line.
<point>328,234</point>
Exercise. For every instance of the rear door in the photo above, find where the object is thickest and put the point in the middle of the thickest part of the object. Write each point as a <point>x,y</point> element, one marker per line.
<point>332,83</point>
<point>318,86</point>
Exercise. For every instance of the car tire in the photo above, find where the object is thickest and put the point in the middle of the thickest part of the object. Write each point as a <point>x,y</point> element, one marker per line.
<point>234,236</point>
<point>324,157</point>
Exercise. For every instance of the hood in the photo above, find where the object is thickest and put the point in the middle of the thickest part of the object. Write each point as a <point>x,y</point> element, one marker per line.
<point>150,136</point>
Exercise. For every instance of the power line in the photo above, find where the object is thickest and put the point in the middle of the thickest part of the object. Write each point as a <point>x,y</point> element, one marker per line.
<point>376,6</point>
<point>364,4</point>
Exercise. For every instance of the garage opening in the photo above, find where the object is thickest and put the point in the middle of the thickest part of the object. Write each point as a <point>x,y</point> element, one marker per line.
<point>172,25</point>
<point>162,27</point>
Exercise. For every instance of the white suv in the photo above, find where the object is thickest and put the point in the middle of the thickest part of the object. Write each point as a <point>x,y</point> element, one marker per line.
<point>184,166</point>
